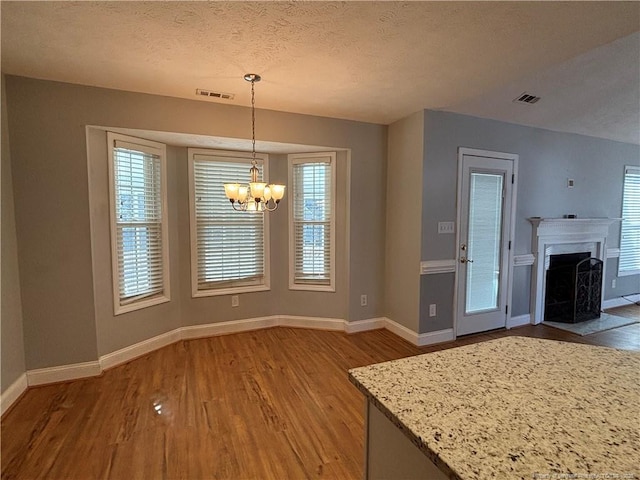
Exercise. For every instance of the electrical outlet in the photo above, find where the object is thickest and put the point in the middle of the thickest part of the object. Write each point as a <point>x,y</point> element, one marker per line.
<point>570,182</point>
<point>446,227</point>
<point>613,283</point>
<point>363,300</point>
<point>235,301</point>
<point>432,310</point>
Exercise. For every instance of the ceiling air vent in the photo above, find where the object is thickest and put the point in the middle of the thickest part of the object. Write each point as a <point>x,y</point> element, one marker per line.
<point>526,98</point>
<point>211,94</point>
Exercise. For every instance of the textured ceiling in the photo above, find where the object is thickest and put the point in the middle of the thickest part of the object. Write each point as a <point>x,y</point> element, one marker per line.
<point>368,61</point>
<point>596,93</point>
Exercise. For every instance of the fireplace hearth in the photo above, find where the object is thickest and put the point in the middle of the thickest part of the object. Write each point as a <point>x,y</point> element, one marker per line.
<point>573,288</point>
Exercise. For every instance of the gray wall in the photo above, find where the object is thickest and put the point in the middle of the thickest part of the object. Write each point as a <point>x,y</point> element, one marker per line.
<point>547,159</point>
<point>402,252</point>
<point>64,322</point>
<point>12,342</point>
<point>48,159</point>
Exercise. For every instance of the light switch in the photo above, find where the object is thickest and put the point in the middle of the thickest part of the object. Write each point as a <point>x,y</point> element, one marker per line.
<point>446,227</point>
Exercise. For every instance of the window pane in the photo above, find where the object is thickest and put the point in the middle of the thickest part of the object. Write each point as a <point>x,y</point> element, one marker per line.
<point>229,243</point>
<point>312,222</point>
<point>629,262</point>
<point>138,211</point>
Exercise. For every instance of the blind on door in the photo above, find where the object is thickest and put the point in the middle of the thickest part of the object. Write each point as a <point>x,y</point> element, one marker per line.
<point>312,222</point>
<point>138,219</point>
<point>229,243</point>
<point>629,261</point>
<point>485,233</point>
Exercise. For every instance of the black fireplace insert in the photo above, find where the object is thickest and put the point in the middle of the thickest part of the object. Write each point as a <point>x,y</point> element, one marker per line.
<point>573,288</point>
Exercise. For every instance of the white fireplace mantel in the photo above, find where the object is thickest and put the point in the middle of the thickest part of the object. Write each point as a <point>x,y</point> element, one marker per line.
<point>571,226</point>
<point>553,236</point>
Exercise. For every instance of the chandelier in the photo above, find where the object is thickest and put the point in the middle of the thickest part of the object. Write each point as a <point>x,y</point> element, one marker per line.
<point>257,196</point>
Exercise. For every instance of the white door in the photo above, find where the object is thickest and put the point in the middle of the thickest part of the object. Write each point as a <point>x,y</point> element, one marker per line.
<point>485,204</point>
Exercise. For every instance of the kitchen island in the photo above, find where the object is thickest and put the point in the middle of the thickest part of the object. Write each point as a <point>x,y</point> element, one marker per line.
<point>512,408</point>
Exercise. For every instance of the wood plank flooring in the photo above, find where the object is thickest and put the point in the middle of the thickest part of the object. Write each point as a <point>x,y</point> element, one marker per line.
<point>273,403</point>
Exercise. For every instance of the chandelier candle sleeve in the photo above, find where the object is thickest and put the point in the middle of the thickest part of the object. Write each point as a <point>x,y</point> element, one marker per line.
<point>232,191</point>
<point>257,196</point>
<point>277,192</point>
<point>242,194</point>
<point>257,189</point>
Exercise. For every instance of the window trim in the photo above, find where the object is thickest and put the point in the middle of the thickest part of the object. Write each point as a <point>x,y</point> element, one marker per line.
<point>624,273</point>
<point>155,148</point>
<point>228,155</point>
<point>317,157</point>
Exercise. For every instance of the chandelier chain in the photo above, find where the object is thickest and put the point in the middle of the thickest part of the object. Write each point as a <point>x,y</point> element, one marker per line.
<point>253,123</point>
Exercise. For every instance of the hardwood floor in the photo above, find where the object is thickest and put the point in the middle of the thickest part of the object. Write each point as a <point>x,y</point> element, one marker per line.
<point>274,403</point>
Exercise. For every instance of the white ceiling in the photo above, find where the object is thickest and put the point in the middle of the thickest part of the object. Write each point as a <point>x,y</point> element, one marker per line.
<point>368,61</point>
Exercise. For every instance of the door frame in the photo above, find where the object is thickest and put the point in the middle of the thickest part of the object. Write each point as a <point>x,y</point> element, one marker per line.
<point>513,157</point>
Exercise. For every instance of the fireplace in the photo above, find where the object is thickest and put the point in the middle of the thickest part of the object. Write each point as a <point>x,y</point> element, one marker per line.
<point>573,288</point>
<point>582,240</point>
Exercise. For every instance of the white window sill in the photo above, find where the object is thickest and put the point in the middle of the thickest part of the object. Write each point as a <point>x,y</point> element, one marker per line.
<point>213,292</point>
<point>312,288</point>
<point>139,305</point>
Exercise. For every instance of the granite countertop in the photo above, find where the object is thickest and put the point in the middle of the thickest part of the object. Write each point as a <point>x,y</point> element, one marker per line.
<point>516,407</point>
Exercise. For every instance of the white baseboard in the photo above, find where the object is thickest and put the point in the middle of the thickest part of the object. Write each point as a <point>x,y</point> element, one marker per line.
<point>138,349</point>
<point>11,394</point>
<point>63,373</point>
<point>620,302</point>
<point>429,338</point>
<point>364,325</point>
<point>315,323</point>
<point>109,360</point>
<point>225,328</point>
<point>401,331</point>
<point>439,336</point>
<point>519,320</point>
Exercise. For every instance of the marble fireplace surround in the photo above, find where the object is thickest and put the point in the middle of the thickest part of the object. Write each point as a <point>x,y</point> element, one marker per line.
<point>554,236</point>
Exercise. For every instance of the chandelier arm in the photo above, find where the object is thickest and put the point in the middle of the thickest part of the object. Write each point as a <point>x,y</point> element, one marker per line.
<point>233,204</point>
<point>266,206</point>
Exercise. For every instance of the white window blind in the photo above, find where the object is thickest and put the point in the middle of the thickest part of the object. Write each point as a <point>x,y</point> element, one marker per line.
<point>139,224</point>
<point>629,261</point>
<point>228,246</point>
<point>484,242</point>
<point>312,221</point>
